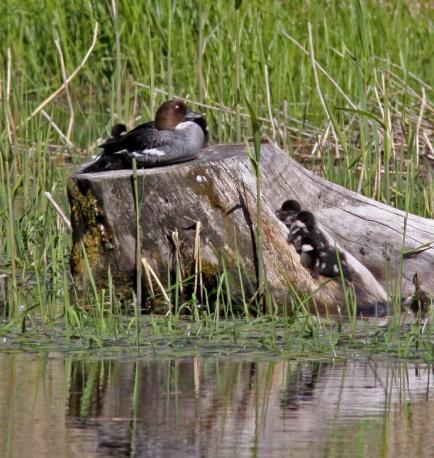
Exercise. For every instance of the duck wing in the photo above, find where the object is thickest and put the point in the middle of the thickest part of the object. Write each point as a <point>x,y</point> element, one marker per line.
<point>143,136</point>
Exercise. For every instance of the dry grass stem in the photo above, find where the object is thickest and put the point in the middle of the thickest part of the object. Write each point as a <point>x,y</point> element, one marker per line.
<point>59,211</point>
<point>70,78</point>
<point>68,94</point>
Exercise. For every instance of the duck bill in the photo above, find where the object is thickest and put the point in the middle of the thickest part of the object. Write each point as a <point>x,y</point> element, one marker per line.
<point>192,115</point>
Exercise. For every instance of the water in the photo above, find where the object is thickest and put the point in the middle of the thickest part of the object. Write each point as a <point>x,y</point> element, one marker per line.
<point>57,406</point>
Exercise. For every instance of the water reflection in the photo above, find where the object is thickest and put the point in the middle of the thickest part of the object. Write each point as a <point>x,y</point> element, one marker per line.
<point>213,407</point>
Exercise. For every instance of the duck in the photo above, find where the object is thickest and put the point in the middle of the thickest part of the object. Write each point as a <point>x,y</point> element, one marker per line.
<point>308,253</point>
<point>326,261</point>
<point>288,212</point>
<point>118,130</point>
<point>304,225</point>
<point>331,261</point>
<point>176,135</point>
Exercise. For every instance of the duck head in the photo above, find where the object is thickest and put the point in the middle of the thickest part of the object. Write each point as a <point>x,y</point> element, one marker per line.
<point>289,208</point>
<point>307,219</point>
<point>118,130</point>
<point>172,113</point>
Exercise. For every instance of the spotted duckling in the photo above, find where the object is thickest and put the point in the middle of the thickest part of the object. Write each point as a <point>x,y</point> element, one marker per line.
<point>322,261</point>
<point>305,225</point>
<point>328,263</point>
<point>308,253</point>
<point>288,212</point>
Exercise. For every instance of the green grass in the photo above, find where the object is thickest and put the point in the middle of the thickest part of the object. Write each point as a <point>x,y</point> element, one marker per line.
<point>280,337</point>
<point>361,71</point>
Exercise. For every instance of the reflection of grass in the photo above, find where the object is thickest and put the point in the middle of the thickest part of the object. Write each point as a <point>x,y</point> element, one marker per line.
<point>355,76</point>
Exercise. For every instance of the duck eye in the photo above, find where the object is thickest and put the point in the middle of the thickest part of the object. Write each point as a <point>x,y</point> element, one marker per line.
<point>177,107</point>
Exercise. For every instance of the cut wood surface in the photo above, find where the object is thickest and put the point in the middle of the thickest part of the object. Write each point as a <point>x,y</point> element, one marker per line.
<point>219,190</point>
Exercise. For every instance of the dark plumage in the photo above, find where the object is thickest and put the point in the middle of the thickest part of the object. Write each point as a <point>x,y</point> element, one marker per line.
<point>304,225</point>
<point>173,137</point>
<point>322,261</point>
<point>118,130</point>
<point>300,228</point>
<point>308,252</point>
<point>201,122</point>
<point>306,218</point>
<point>288,212</point>
<point>419,301</point>
<point>149,135</point>
<point>327,263</point>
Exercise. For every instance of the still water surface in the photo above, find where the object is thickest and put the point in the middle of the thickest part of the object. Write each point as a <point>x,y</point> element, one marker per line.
<point>54,406</point>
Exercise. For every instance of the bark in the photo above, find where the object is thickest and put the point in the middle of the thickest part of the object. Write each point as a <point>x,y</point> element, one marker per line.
<point>219,191</point>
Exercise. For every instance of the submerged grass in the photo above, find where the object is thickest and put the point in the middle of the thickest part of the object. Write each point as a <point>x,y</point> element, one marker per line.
<point>346,86</point>
<point>302,337</point>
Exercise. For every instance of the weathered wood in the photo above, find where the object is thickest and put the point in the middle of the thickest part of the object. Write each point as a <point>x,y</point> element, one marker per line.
<point>219,190</point>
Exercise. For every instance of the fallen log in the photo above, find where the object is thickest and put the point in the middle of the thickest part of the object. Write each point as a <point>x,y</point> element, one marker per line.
<point>219,191</point>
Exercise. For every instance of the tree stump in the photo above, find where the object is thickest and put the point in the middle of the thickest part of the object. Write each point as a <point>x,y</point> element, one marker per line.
<point>219,191</point>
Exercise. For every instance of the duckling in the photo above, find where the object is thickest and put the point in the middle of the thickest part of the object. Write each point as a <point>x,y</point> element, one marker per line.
<point>309,254</point>
<point>304,221</point>
<point>288,212</point>
<point>322,261</point>
<point>305,225</point>
<point>118,130</point>
<point>419,301</point>
<point>327,263</point>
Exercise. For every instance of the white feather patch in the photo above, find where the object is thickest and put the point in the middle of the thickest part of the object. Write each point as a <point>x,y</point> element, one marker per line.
<point>306,247</point>
<point>149,152</point>
<point>185,125</point>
